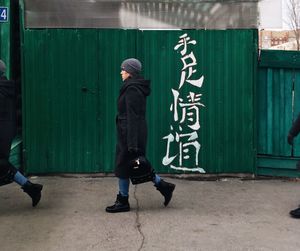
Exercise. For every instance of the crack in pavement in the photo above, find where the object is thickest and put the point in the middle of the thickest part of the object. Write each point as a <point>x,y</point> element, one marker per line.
<point>137,219</point>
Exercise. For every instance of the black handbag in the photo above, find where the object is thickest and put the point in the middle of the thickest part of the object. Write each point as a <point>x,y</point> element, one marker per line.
<point>141,171</point>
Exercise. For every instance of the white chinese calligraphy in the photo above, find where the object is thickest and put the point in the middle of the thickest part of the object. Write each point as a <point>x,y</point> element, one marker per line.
<point>186,114</point>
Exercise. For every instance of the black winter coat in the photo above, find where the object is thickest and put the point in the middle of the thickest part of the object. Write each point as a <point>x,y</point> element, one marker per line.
<point>294,131</point>
<point>7,116</point>
<point>131,123</point>
<point>7,129</point>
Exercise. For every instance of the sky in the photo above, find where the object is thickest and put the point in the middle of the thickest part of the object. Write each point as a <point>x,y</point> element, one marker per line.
<point>273,15</point>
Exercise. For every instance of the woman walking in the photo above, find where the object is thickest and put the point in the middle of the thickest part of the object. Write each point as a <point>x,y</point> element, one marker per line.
<point>132,133</point>
<point>8,173</point>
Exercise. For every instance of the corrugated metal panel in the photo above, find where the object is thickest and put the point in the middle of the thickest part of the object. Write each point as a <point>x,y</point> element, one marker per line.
<point>280,59</point>
<point>5,38</point>
<point>60,94</point>
<point>67,130</point>
<point>278,104</point>
<point>276,109</point>
<point>226,59</point>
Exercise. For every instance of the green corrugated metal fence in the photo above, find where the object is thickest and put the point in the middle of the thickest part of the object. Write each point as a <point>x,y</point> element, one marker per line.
<point>278,103</point>
<point>227,60</point>
<point>71,80</point>
<point>61,101</point>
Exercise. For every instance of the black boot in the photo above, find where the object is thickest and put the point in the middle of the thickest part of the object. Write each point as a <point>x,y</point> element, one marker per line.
<point>166,189</point>
<point>34,191</point>
<point>121,205</point>
<point>295,213</point>
<point>298,165</point>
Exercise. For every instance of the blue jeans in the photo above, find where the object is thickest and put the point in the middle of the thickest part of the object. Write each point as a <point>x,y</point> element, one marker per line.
<point>20,179</point>
<point>124,185</point>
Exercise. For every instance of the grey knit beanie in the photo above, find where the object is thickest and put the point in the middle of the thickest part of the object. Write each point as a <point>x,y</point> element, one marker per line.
<point>2,67</point>
<point>132,66</point>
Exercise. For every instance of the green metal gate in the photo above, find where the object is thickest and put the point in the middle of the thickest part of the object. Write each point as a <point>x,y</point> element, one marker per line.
<point>61,109</point>
<point>71,79</point>
<point>278,104</point>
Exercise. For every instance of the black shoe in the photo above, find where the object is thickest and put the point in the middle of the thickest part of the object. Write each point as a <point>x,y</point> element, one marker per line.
<point>121,205</point>
<point>166,189</point>
<point>295,213</point>
<point>34,191</point>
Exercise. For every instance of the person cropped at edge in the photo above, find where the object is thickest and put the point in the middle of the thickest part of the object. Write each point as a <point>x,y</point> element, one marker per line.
<point>294,131</point>
<point>8,173</point>
<point>132,133</point>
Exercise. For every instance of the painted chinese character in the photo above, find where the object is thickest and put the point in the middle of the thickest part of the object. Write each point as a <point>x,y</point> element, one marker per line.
<point>185,140</point>
<point>192,110</point>
<point>188,62</point>
<point>167,159</point>
<point>174,106</point>
<point>183,42</point>
<point>186,112</point>
<point>189,110</point>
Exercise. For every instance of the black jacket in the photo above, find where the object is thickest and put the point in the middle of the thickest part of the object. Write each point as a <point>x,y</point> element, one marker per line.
<point>7,128</point>
<point>131,123</point>
<point>295,129</point>
<point>7,115</point>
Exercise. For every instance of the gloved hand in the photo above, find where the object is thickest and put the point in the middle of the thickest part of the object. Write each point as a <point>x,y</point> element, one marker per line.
<point>290,139</point>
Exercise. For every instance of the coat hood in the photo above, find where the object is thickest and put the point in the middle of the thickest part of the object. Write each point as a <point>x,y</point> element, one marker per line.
<point>142,84</point>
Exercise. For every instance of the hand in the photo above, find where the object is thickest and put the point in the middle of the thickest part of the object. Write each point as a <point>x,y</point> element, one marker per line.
<point>290,139</point>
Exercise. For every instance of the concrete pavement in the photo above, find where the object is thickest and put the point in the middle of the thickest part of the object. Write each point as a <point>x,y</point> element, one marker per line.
<point>203,215</point>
